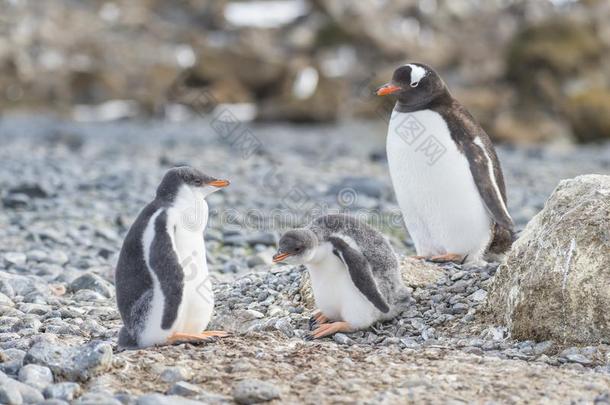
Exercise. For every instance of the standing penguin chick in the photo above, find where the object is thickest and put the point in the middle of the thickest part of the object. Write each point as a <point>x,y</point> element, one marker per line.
<point>445,171</point>
<point>163,290</point>
<point>354,273</point>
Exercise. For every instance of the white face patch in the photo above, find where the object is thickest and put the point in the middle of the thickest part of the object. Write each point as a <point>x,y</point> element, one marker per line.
<point>417,73</point>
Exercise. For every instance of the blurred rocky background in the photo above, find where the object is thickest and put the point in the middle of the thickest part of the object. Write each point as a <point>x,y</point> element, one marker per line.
<point>529,70</point>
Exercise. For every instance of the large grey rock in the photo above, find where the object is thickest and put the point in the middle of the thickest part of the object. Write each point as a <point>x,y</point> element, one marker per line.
<point>254,391</point>
<point>71,363</point>
<point>553,285</point>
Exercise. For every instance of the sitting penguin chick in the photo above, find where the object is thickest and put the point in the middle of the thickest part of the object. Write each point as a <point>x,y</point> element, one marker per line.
<point>354,273</point>
<point>163,290</point>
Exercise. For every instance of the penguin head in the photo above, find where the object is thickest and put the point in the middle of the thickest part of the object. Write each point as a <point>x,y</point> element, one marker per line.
<point>296,246</point>
<point>185,176</point>
<point>414,85</point>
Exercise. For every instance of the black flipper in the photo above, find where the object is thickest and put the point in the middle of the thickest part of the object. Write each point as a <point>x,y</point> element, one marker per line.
<point>360,272</point>
<point>489,184</point>
<point>166,265</point>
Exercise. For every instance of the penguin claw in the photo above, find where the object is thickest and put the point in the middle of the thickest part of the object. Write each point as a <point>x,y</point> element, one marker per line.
<point>317,319</point>
<point>308,337</point>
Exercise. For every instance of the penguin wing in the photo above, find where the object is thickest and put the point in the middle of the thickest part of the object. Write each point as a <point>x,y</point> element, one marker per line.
<point>166,265</point>
<point>487,175</point>
<point>360,272</point>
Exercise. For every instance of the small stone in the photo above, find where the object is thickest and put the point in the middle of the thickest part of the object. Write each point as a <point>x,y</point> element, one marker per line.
<point>494,333</point>
<point>543,347</point>
<point>32,190</point>
<point>10,395</point>
<point>458,275</point>
<point>58,257</point>
<point>342,339</point>
<point>66,391</point>
<point>479,295</point>
<point>93,282</point>
<point>15,258</point>
<point>16,200</point>
<point>174,374</point>
<point>184,389</point>
<point>28,394</point>
<point>11,360</point>
<point>264,257</point>
<point>37,255</point>
<point>36,376</point>
<point>284,326</point>
<point>96,398</point>
<point>368,186</point>
<point>261,238</point>
<point>88,296</point>
<point>232,266</point>
<point>460,307</point>
<point>234,240</point>
<point>160,399</point>
<point>254,391</point>
<point>578,358</point>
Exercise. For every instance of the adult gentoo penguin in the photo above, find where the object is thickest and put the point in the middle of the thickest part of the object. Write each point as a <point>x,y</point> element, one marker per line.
<point>162,287</point>
<point>445,171</point>
<point>354,273</point>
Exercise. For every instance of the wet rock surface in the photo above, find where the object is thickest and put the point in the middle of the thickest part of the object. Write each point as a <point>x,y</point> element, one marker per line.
<point>57,309</point>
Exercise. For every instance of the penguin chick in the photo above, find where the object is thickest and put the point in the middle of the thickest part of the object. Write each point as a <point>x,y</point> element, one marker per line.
<point>163,290</point>
<point>445,171</point>
<point>354,272</point>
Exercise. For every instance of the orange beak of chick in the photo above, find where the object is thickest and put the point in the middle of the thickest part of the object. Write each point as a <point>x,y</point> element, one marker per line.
<point>387,89</point>
<point>278,257</point>
<point>219,183</point>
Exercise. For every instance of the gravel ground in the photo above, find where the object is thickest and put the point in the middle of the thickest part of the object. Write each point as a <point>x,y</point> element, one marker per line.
<point>70,191</point>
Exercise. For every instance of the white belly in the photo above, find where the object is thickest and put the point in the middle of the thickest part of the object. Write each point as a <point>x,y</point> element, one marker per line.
<point>198,298</point>
<point>337,296</point>
<point>440,203</point>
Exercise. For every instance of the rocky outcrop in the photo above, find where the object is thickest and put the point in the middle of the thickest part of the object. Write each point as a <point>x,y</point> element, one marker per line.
<point>554,283</point>
<point>307,60</point>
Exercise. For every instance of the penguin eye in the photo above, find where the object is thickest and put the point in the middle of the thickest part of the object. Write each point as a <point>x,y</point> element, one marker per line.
<point>197,182</point>
<point>298,249</point>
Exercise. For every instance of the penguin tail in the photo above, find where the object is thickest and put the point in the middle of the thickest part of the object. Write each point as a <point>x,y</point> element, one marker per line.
<point>126,340</point>
<point>502,241</point>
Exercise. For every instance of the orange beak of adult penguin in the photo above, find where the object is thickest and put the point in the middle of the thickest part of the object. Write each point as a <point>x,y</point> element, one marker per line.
<point>219,183</point>
<point>387,89</point>
<point>278,257</point>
